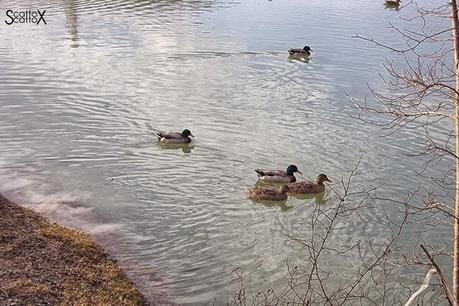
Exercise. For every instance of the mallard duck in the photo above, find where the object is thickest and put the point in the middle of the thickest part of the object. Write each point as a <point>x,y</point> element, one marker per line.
<point>266,194</point>
<point>183,137</point>
<point>392,3</point>
<point>305,51</point>
<point>306,187</point>
<point>278,176</point>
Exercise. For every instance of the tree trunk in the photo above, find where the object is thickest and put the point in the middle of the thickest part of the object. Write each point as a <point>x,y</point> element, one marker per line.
<point>455,25</point>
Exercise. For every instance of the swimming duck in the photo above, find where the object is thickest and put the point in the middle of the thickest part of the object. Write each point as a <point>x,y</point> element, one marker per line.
<point>183,137</point>
<point>392,3</point>
<point>306,187</point>
<point>278,176</point>
<point>259,193</point>
<point>305,51</point>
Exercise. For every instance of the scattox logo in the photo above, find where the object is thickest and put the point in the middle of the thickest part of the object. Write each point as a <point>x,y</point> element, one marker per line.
<point>27,16</point>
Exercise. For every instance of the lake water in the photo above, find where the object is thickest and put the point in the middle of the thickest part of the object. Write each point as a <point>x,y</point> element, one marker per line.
<point>81,98</point>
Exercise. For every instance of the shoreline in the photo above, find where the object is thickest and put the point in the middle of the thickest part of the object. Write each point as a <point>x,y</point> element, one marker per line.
<point>45,263</point>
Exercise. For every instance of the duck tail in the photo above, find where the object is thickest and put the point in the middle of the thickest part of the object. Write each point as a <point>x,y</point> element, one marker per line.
<point>259,172</point>
<point>159,135</point>
<point>290,51</point>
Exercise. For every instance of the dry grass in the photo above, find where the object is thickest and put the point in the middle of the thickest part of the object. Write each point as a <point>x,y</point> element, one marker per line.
<point>44,263</point>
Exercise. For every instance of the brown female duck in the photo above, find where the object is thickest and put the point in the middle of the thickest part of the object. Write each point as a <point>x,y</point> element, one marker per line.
<point>306,187</point>
<point>267,194</point>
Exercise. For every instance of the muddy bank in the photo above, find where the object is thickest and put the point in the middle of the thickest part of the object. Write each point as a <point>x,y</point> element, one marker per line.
<point>44,263</point>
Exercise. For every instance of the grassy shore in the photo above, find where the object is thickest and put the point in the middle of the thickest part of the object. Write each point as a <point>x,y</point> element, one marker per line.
<point>44,263</point>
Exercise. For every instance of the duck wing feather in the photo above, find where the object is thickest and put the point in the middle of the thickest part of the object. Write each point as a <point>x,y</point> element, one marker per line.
<point>258,191</point>
<point>271,172</point>
<point>169,135</point>
<point>291,51</point>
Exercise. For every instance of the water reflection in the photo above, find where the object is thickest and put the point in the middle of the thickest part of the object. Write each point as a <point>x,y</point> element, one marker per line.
<point>299,57</point>
<point>319,198</point>
<point>141,7</point>
<point>185,147</point>
<point>281,204</point>
<point>71,21</point>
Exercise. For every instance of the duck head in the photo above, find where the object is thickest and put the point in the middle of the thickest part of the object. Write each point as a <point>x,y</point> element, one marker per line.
<point>187,133</point>
<point>283,189</point>
<point>292,169</point>
<point>307,48</point>
<point>321,178</point>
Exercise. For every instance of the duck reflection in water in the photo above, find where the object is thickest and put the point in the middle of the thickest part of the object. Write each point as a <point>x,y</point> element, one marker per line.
<point>281,204</point>
<point>319,198</point>
<point>185,147</point>
<point>304,58</point>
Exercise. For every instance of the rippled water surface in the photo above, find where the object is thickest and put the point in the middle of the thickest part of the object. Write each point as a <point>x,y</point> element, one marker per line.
<point>81,97</point>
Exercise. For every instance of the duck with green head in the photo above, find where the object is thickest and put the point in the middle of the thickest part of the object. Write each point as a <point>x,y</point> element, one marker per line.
<point>307,187</point>
<point>278,176</point>
<point>175,137</point>
<point>266,194</point>
<point>306,51</point>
